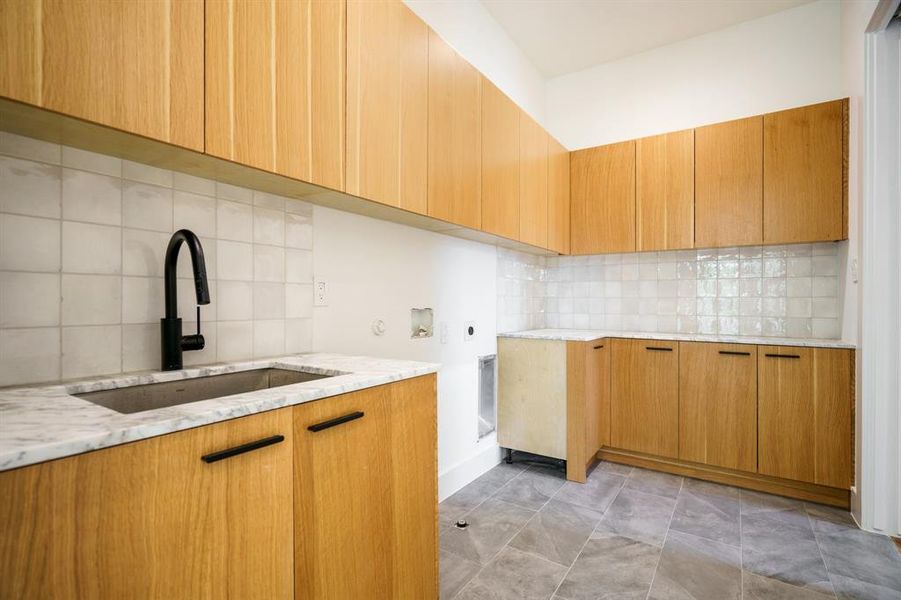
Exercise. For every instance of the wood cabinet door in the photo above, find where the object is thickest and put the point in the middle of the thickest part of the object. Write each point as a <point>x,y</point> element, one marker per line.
<point>365,520</point>
<point>151,519</point>
<point>455,136</point>
<point>665,191</point>
<point>387,104</point>
<point>718,405</point>
<point>804,414</point>
<point>500,163</point>
<point>533,182</point>
<point>644,396</point>
<point>603,199</point>
<point>587,405</point>
<point>134,66</point>
<point>275,86</point>
<point>803,174</point>
<point>558,197</point>
<point>729,183</point>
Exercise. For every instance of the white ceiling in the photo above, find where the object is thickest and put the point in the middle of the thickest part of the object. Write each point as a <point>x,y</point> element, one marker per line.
<point>564,36</point>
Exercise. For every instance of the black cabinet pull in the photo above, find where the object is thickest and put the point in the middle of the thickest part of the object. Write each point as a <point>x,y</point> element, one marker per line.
<point>658,348</point>
<point>599,347</point>
<point>223,454</point>
<point>734,353</point>
<point>336,421</point>
<point>782,356</point>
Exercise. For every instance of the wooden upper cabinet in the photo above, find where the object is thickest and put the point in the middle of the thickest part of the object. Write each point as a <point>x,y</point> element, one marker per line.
<point>603,199</point>
<point>501,130</point>
<point>803,174</point>
<point>804,412</point>
<point>644,396</point>
<point>665,191</point>
<point>366,494</point>
<point>387,104</point>
<point>135,66</point>
<point>718,413</point>
<point>150,519</point>
<point>729,184</point>
<point>275,86</point>
<point>558,197</point>
<point>533,182</point>
<point>455,136</point>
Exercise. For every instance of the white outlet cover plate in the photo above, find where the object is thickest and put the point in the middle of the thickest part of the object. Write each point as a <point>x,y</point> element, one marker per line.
<point>320,293</point>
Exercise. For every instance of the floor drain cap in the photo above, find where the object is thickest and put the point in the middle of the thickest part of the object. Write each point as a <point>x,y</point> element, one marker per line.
<point>461,524</point>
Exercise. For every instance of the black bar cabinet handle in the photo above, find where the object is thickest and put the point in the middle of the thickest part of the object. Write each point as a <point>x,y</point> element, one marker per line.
<point>336,421</point>
<point>782,356</point>
<point>228,453</point>
<point>599,347</point>
<point>734,353</point>
<point>658,348</point>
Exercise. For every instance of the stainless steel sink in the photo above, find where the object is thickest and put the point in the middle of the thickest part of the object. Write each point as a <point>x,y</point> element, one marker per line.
<point>139,398</point>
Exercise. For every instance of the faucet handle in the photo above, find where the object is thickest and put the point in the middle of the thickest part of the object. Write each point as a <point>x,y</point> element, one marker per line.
<point>194,342</point>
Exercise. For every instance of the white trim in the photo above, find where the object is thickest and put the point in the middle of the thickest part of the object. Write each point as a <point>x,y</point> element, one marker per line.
<point>880,347</point>
<point>466,471</point>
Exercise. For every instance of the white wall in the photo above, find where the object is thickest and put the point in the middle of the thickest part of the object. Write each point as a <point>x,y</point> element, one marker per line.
<point>380,270</point>
<point>786,59</point>
<point>471,30</point>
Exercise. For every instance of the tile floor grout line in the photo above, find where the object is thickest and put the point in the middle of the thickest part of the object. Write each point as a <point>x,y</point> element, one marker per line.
<point>585,543</point>
<point>507,543</point>
<point>816,540</point>
<point>489,496</point>
<point>669,526</point>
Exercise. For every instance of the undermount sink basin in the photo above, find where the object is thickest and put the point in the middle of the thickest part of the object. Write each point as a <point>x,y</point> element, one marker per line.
<point>140,398</point>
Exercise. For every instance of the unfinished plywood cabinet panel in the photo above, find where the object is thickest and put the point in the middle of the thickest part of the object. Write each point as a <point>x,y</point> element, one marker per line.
<point>387,104</point>
<point>644,396</point>
<point>366,494</point>
<point>275,87</point>
<point>665,191</point>
<point>804,414</point>
<point>558,197</point>
<point>718,405</point>
<point>803,174</point>
<point>603,199</point>
<point>501,128</point>
<point>150,519</point>
<point>455,136</point>
<point>729,183</point>
<point>533,182</point>
<point>135,66</point>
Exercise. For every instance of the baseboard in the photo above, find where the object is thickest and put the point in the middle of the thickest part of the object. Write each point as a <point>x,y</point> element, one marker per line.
<point>752,481</point>
<point>463,472</point>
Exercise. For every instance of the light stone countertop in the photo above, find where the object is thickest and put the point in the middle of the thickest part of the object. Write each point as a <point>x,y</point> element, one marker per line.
<point>586,335</point>
<point>48,422</point>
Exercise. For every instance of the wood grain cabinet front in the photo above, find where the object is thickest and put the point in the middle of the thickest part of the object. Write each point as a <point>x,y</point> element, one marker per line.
<point>558,197</point>
<point>134,66</point>
<point>665,191</point>
<point>387,104</point>
<point>718,405</point>
<point>533,182</point>
<point>153,519</point>
<point>500,163</point>
<point>275,86</point>
<point>644,396</point>
<point>804,181</point>
<point>602,210</point>
<point>804,414</point>
<point>365,520</point>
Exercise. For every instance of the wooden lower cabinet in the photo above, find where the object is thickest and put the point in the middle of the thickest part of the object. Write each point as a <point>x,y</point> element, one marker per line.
<point>587,405</point>
<point>151,519</point>
<point>804,414</point>
<point>644,396</point>
<point>718,405</point>
<point>365,489</point>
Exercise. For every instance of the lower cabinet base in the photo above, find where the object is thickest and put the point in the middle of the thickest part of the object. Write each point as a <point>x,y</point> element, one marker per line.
<point>752,481</point>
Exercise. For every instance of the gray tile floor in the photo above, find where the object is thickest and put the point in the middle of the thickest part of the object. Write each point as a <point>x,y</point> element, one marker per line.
<point>637,534</point>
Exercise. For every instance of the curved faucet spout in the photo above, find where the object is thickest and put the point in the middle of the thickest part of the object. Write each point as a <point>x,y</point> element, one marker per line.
<point>200,281</point>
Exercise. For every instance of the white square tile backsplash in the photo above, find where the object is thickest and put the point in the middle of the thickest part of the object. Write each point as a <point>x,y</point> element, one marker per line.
<point>776,291</point>
<point>82,242</point>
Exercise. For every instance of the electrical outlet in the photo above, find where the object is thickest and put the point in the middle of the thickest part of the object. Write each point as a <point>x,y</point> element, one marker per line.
<point>320,294</point>
<point>442,332</point>
<point>469,331</point>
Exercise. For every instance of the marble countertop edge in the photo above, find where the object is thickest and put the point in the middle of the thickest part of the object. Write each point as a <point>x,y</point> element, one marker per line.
<point>586,335</point>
